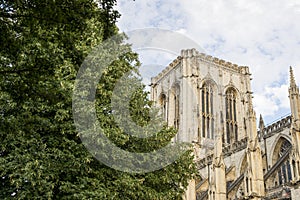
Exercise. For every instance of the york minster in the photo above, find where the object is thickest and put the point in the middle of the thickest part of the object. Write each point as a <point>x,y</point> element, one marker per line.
<point>209,101</point>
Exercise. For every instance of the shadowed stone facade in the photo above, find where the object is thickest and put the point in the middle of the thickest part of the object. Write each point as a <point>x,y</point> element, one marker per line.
<point>209,101</point>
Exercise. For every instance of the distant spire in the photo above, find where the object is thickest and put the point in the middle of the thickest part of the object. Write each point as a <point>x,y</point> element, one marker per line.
<point>261,123</point>
<point>292,78</point>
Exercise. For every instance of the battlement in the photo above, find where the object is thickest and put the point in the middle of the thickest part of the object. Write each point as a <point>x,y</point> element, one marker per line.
<point>275,127</point>
<point>227,151</point>
<point>193,53</point>
<point>170,67</point>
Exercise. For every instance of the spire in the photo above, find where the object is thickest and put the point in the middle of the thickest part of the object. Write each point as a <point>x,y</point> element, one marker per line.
<point>294,97</point>
<point>292,78</point>
<point>261,123</point>
<point>254,158</point>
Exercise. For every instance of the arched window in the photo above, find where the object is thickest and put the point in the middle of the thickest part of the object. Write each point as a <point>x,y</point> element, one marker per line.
<point>284,172</point>
<point>163,105</point>
<point>177,116</point>
<point>231,118</point>
<point>207,111</point>
<point>280,158</point>
<point>173,107</point>
<point>174,112</point>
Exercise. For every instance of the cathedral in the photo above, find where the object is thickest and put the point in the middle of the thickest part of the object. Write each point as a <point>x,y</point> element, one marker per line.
<point>209,101</point>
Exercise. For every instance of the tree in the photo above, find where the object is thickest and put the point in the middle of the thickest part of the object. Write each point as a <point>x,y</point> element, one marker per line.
<point>43,44</point>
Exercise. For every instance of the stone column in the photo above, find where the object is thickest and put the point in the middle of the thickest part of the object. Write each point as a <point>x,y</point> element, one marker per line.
<point>217,190</point>
<point>254,157</point>
<point>188,98</point>
<point>188,103</point>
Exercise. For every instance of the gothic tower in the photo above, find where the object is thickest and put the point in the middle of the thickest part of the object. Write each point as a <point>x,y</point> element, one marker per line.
<point>209,101</point>
<point>194,88</point>
<point>191,92</point>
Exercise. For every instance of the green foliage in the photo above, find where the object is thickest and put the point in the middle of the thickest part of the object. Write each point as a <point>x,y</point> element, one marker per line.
<point>43,44</point>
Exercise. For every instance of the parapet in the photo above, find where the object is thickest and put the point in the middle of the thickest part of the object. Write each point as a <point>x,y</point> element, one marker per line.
<point>193,53</point>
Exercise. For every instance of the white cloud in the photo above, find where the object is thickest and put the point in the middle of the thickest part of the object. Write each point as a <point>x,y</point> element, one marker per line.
<point>154,13</point>
<point>262,34</point>
<point>265,105</point>
<point>272,100</point>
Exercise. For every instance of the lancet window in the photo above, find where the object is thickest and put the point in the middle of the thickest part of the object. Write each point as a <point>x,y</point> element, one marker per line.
<point>163,105</point>
<point>207,111</point>
<point>231,117</point>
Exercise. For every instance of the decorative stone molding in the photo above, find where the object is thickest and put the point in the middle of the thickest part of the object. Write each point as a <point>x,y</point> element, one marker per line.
<point>189,53</point>
<point>276,127</point>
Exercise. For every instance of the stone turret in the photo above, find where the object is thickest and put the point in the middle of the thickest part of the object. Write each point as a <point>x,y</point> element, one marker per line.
<point>294,99</point>
<point>254,176</point>
<point>295,127</point>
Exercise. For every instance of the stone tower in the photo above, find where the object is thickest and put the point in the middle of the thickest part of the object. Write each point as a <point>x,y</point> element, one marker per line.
<point>194,88</point>
<point>209,101</point>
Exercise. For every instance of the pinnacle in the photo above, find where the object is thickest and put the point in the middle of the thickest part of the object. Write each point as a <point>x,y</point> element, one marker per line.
<point>261,122</point>
<point>292,78</point>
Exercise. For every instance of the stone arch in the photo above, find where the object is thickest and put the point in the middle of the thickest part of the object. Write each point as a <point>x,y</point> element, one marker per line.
<point>175,87</point>
<point>231,86</point>
<point>162,88</point>
<point>162,96</point>
<point>276,147</point>
<point>208,81</point>
<point>283,173</point>
<point>163,104</point>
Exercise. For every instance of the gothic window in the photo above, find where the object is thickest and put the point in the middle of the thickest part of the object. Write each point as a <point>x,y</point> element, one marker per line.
<point>284,172</point>
<point>289,172</point>
<point>207,111</point>
<point>174,112</point>
<point>231,118</point>
<point>173,107</point>
<point>176,120</point>
<point>294,166</point>
<point>163,104</point>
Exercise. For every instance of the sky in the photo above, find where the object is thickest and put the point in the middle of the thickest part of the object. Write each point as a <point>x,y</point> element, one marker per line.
<point>261,34</point>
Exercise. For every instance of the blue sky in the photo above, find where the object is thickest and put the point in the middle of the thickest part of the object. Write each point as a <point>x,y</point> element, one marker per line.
<point>261,34</point>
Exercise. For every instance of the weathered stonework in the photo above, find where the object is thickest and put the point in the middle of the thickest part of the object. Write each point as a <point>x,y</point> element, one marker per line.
<point>209,101</point>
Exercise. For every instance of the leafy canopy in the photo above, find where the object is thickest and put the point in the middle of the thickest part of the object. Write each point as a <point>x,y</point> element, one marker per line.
<point>43,44</point>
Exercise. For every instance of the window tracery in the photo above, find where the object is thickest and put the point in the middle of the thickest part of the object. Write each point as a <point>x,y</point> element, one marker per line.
<point>207,111</point>
<point>231,116</point>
